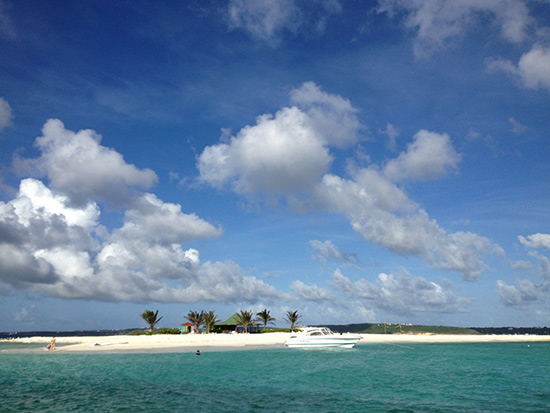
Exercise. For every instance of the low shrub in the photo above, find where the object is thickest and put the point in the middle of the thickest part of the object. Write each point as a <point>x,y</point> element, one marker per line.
<point>165,331</point>
<point>137,333</point>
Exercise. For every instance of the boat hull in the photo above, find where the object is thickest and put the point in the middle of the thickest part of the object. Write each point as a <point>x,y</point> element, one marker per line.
<point>314,337</point>
<point>318,345</point>
<point>321,343</point>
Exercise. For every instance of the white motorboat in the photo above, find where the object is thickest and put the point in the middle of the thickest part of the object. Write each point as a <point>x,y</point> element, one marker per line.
<point>321,337</point>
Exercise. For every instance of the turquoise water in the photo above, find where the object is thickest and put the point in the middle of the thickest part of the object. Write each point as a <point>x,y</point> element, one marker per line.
<point>501,377</point>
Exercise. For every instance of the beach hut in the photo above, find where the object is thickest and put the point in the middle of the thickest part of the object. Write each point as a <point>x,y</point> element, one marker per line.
<point>230,325</point>
<point>187,328</point>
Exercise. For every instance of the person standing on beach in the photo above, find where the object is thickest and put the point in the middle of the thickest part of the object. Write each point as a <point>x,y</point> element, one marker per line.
<point>51,346</point>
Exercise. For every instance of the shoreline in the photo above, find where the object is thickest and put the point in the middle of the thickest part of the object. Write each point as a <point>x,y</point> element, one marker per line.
<point>226,342</point>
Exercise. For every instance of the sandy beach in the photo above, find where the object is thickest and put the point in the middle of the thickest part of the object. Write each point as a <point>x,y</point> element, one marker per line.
<point>223,342</point>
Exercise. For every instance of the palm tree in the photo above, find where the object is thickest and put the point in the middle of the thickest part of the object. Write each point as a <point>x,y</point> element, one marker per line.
<point>292,318</point>
<point>265,317</point>
<point>245,319</point>
<point>150,318</point>
<point>196,318</point>
<point>210,319</point>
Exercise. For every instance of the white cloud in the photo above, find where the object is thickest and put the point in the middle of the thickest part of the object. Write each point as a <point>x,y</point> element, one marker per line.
<point>226,282</point>
<point>21,269</point>
<point>288,154</point>
<point>54,246</point>
<point>522,265</point>
<point>517,128</point>
<point>382,213</point>
<point>285,153</point>
<point>520,295</point>
<point>264,19</point>
<point>38,219</point>
<point>501,65</point>
<point>311,292</point>
<point>36,199</point>
<point>41,252</point>
<point>68,262</point>
<point>429,156</point>
<point>543,266</point>
<point>525,292</point>
<point>5,114</point>
<point>7,28</point>
<point>328,251</point>
<point>42,237</point>
<point>76,164</point>
<point>163,223</point>
<point>392,133</point>
<point>440,22</point>
<point>401,293</point>
<point>532,70</point>
<point>279,154</point>
<point>268,20</point>
<point>336,311</point>
<point>332,117</point>
<point>535,240</point>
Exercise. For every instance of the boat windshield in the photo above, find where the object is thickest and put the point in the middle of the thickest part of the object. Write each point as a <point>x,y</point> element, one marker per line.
<point>319,332</point>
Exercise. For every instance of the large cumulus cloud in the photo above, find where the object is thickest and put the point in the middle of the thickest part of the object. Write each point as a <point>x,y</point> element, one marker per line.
<point>290,153</point>
<point>279,154</point>
<point>286,152</point>
<point>79,166</point>
<point>52,240</point>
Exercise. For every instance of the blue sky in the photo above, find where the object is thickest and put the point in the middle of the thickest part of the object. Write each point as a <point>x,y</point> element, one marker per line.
<point>355,161</point>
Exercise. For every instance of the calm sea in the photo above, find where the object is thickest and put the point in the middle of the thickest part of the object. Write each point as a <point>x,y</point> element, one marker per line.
<point>486,377</point>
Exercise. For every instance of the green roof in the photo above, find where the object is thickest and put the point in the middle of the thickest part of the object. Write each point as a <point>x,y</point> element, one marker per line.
<point>231,321</point>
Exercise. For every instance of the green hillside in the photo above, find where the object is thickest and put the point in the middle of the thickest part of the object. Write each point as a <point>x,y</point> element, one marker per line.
<point>380,328</point>
<point>416,329</point>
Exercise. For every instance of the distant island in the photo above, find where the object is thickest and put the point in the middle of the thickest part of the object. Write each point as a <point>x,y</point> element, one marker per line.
<point>386,328</point>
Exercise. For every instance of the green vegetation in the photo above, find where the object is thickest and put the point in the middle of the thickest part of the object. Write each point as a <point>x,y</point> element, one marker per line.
<point>381,328</point>
<point>197,319</point>
<point>275,330</point>
<point>136,333</point>
<point>265,318</point>
<point>210,319</point>
<point>165,331</point>
<point>292,318</point>
<point>151,318</point>
<point>245,318</point>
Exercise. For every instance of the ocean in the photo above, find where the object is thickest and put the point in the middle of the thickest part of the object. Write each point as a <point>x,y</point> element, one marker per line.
<point>480,377</point>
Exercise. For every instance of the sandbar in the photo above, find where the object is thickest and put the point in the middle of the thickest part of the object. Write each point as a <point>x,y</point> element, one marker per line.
<point>224,342</point>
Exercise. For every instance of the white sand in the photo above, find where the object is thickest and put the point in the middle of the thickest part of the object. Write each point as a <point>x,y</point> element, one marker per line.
<point>217,342</point>
<point>160,343</point>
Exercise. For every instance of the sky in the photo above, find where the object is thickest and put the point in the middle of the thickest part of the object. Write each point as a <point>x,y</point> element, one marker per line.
<point>355,161</point>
